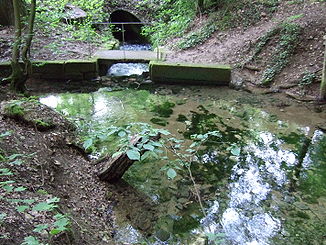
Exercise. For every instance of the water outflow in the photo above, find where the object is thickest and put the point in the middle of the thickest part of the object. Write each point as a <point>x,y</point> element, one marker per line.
<point>128,69</point>
<point>135,47</point>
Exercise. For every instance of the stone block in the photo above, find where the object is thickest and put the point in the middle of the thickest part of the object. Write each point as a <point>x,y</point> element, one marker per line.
<point>90,75</point>
<point>186,73</point>
<point>80,66</point>
<point>48,66</point>
<point>74,76</point>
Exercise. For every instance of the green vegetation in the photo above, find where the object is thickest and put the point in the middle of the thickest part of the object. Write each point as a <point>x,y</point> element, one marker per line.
<point>288,40</point>
<point>13,194</point>
<point>286,35</point>
<point>173,18</point>
<point>307,79</point>
<point>15,108</point>
<point>51,15</point>
<point>164,109</point>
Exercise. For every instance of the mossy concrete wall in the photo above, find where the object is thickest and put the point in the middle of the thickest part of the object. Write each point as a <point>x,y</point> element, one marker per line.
<point>199,74</point>
<point>67,69</point>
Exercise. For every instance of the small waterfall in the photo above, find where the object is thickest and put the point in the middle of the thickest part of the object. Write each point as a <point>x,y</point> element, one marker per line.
<point>128,69</point>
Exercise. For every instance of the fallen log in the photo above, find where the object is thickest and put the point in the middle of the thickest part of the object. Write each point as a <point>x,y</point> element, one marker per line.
<point>114,168</point>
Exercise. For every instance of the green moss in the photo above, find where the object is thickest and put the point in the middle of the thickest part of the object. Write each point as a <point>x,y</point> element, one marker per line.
<point>182,118</point>
<point>164,109</point>
<point>302,215</point>
<point>159,121</point>
<point>14,109</point>
<point>43,124</point>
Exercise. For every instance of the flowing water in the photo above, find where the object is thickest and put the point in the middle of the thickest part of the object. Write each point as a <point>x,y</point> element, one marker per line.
<point>261,181</point>
<point>128,69</point>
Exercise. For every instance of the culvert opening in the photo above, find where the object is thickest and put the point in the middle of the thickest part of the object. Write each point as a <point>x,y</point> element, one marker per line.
<point>127,23</point>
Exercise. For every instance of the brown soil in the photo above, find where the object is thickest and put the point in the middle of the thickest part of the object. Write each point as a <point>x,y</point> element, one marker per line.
<point>48,46</point>
<point>52,164</point>
<point>236,45</point>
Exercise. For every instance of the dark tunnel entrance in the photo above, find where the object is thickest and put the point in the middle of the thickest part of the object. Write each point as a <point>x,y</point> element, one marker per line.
<point>132,31</point>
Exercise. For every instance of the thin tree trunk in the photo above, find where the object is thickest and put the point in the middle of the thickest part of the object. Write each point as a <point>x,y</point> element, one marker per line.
<point>17,76</point>
<point>322,94</point>
<point>29,38</point>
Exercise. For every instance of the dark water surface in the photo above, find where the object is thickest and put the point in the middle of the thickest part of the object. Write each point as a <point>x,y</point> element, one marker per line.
<point>263,181</point>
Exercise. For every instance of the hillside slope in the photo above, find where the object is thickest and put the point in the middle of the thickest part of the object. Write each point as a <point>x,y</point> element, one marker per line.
<point>238,47</point>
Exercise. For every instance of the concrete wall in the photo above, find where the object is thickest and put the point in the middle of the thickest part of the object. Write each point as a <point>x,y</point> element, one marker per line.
<point>67,70</point>
<point>199,74</point>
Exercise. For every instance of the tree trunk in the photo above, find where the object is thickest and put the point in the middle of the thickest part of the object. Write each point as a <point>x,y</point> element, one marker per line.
<point>322,94</point>
<point>29,38</point>
<point>114,168</point>
<point>17,75</point>
<point>6,13</point>
<point>7,17</point>
<point>200,6</point>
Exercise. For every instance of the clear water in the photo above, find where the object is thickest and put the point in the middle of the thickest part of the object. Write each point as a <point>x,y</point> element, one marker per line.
<point>262,182</point>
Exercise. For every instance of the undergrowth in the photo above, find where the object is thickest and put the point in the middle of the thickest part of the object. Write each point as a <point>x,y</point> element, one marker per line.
<point>15,201</point>
<point>229,15</point>
<point>50,20</point>
<point>288,37</point>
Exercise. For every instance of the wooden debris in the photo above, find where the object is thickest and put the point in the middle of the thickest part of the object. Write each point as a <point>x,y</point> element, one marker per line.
<point>114,168</point>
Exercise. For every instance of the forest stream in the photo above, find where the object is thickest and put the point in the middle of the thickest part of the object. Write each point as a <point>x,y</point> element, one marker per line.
<point>260,178</point>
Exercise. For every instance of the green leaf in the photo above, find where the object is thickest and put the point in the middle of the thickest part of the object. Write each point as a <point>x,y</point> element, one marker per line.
<point>28,201</point>
<point>55,231</point>
<point>171,173</point>
<point>215,237</point>
<point>21,188</point>
<point>62,223</point>
<point>8,188</point>
<point>14,156</point>
<point>133,155</point>
<point>235,151</point>
<point>2,216</point>
<point>17,162</point>
<point>122,134</point>
<point>88,143</point>
<point>22,208</point>
<point>148,147</point>
<point>163,131</point>
<point>30,240</point>
<point>117,154</point>
<point>145,155</point>
<point>5,134</point>
<point>5,172</point>
<point>40,228</point>
<point>46,206</point>
<point>157,144</point>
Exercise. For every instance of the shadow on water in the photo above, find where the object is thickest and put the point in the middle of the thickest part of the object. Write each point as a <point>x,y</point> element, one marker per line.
<point>262,181</point>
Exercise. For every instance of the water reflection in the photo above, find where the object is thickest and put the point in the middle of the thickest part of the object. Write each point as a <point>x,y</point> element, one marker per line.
<point>249,179</point>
